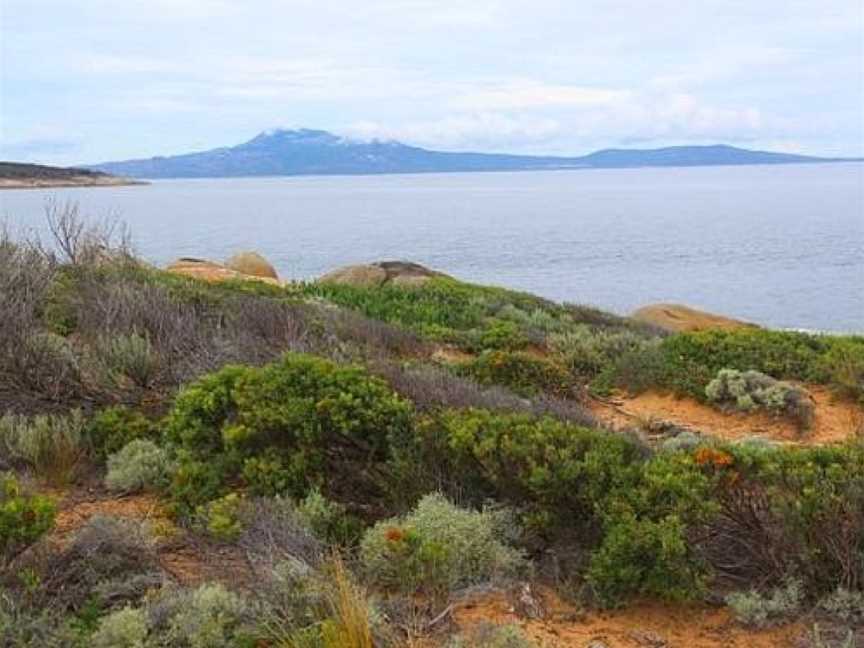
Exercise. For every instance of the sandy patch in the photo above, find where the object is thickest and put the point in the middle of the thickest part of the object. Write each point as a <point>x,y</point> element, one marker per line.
<point>834,420</point>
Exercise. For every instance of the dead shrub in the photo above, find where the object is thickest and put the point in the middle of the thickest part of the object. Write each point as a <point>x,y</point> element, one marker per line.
<point>108,558</point>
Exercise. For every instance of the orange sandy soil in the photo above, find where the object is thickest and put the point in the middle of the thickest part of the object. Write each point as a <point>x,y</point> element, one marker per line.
<point>645,625</point>
<point>834,420</point>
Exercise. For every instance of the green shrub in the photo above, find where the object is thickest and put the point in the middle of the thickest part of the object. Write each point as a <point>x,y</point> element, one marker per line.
<point>500,334</point>
<point>645,557</point>
<point>556,474</point>
<point>750,390</point>
<point>522,372</point>
<point>692,360</point>
<point>758,610</point>
<point>222,517</point>
<point>23,519</point>
<point>474,317</point>
<point>140,465</point>
<point>112,428</point>
<point>791,510</point>
<point>436,548</point>
<point>125,628</point>
<point>282,428</point>
<point>53,445</point>
<point>844,364</point>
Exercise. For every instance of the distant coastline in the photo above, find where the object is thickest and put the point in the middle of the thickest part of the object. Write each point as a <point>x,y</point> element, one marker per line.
<point>14,175</point>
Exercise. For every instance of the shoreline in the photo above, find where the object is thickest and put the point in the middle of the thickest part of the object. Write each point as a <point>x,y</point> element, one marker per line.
<point>68,183</point>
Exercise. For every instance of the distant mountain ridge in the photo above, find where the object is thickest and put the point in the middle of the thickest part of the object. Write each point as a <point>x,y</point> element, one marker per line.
<point>318,152</point>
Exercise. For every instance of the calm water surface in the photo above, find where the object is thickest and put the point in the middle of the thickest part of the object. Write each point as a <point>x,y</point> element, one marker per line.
<point>783,246</point>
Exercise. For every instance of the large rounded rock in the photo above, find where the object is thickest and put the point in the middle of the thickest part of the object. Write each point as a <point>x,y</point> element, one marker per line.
<point>397,273</point>
<point>677,318</point>
<point>210,271</point>
<point>252,264</point>
<point>355,275</point>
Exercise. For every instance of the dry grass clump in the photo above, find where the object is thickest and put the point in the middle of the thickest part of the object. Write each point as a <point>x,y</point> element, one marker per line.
<point>52,445</point>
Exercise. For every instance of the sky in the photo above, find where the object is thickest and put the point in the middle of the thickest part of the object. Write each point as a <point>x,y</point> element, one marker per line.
<point>85,81</point>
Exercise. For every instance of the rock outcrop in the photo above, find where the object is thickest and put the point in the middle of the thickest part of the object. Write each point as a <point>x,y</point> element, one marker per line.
<point>210,271</point>
<point>252,264</point>
<point>396,273</point>
<point>677,318</point>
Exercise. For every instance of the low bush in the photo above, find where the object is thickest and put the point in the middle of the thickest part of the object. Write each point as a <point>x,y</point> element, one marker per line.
<point>645,557</point>
<point>760,610</point>
<point>474,317</point>
<point>23,518</point>
<point>487,635</point>
<point>221,518</point>
<point>207,617</point>
<point>554,473</point>
<point>111,429</point>
<point>691,360</point>
<point>437,548</point>
<point>786,510</point>
<point>52,445</point>
<point>751,390</point>
<point>524,373</point>
<point>140,465</point>
<point>283,428</point>
<point>328,520</point>
<point>844,606</point>
<point>587,351</point>
<point>125,628</point>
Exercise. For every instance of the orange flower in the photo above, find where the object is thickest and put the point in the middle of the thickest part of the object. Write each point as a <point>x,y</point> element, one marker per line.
<point>716,458</point>
<point>394,534</point>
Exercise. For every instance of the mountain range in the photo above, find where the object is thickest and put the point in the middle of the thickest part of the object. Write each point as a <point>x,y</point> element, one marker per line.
<point>317,152</point>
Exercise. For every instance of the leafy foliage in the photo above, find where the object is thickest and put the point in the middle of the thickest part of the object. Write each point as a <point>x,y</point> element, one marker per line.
<point>283,428</point>
<point>23,518</point>
<point>522,372</point>
<point>111,429</point>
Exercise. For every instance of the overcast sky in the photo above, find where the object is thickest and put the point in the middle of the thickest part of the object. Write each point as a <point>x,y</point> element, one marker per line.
<point>95,80</point>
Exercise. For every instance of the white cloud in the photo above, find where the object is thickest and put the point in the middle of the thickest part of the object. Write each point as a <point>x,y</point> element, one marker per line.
<point>534,94</point>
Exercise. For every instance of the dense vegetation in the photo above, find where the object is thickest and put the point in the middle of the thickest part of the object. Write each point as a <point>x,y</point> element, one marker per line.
<point>371,452</point>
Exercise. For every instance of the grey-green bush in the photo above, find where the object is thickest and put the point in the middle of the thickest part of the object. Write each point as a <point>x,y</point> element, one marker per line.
<point>140,465</point>
<point>760,610</point>
<point>439,547</point>
<point>126,628</point>
<point>487,635</point>
<point>751,390</point>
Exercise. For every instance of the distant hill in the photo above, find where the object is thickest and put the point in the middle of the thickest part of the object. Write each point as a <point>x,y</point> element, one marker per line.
<point>316,152</point>
<point>17,175</point>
